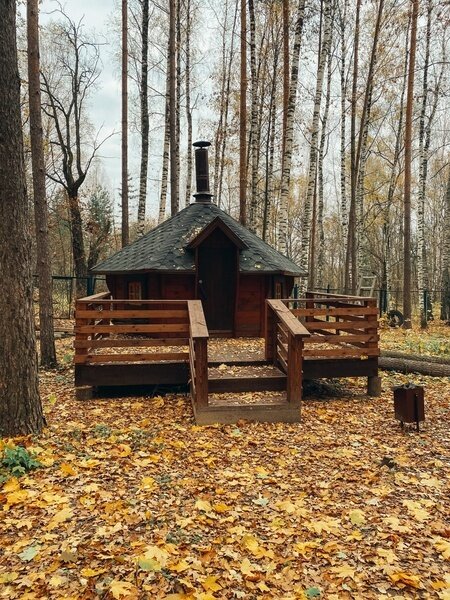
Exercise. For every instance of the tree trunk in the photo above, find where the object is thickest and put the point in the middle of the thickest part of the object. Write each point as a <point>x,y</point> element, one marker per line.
<point>408,164</point>
<point>144,120</point>
<point>254,120</point>
<point>411,366</point>
<point>174,186</point>
<point>320,194</point>
<point>125,218</point>
<point>20,405</point>
<point>43,259</point>
<point>188,106</point>
<point>343,161</point>
<point>285,75</point>
<point>166,150</point>
<point>78,251</point>
<point>350,258</point>
<point>178,97</point>
<point>313,151</point>
<point>287,158</point>
<point>445,299</point>
<point>243,119</point>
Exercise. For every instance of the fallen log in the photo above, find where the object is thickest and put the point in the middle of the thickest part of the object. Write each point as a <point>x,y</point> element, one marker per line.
<point>414,366</point>
<point>440,360</point>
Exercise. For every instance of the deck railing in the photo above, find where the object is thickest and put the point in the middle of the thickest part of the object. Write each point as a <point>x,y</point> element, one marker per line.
<point>340,326</point>
<point>111,331</point>
<point>198,353</point>
<point>284,340</point>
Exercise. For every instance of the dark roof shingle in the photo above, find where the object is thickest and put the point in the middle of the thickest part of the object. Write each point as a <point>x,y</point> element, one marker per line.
<point>164,248</point>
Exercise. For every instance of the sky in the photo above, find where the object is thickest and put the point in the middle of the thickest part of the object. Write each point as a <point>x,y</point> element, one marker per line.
<point>105,105</point>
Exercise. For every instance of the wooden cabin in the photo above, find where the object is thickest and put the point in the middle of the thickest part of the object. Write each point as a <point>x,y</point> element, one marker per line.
<point>203,253</point>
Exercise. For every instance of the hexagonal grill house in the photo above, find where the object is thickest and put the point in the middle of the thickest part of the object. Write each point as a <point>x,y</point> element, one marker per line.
<point>204,253</point>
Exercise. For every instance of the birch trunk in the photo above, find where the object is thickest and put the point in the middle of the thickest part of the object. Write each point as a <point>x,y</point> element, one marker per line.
<point>43,259</point>
<point>313,152</point>
<point>350,257</point>
<point>445,300</point>
<point>124,193</point>
<point>174,185</point>
<point>408,165</point>
<point>178,98</point>
<point>423,164</point>
<point>287,158</point>
<point>254,120</point>
<point>188,105</point>
<point>243,119</point>
<point>166,149</point>
<point>144,120</point>
<point>320,204</point>
<point>343,82</point>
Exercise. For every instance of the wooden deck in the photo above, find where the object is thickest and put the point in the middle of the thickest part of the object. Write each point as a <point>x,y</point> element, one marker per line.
<point>156,342</point>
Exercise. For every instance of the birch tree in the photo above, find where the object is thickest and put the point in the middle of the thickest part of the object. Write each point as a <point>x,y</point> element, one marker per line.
<point>145,123</point>
<point>124,188</point>
<point>313,151</point>
<point>287,156</point>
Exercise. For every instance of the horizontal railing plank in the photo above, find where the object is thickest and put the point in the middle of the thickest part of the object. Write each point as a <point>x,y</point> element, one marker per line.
<point>349,325</point>
<point>131,314</point>
<point>134,328</point>
<point>130,343</point>
<point>140,357</point>
<point>337,352</point>
<point>333,311</point>
<point>341,339</point>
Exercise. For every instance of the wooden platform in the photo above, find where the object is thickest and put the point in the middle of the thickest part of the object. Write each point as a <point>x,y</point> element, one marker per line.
<point>127,343</point>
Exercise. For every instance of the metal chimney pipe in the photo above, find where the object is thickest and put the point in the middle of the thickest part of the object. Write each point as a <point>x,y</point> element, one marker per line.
<point>202,172</point>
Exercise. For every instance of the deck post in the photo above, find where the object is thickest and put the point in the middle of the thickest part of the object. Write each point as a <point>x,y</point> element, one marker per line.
<point>373,382</point>
<point>270,335</point>
<point>294,374</point>
<point>201,372</point>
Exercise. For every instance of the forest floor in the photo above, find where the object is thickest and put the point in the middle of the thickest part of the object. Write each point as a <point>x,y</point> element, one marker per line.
<point>133,500</point>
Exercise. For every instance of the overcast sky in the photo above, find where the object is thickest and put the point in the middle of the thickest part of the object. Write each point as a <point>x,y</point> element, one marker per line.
<point>105,105</point>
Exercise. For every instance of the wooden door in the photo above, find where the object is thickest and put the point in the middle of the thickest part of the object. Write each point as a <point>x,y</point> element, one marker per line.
<point>217,259</point>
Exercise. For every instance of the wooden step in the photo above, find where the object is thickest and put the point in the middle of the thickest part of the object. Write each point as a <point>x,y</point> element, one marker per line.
<point>268,407</point>
<point>245,378</point>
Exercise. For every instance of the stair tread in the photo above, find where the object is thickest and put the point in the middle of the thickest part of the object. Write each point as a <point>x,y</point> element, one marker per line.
<point>244,372</point>
<point>248,399</point>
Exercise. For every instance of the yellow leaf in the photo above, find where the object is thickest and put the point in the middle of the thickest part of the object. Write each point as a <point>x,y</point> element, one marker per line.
<point>343,572</point>
<point>92,572</point>
<point>406,578</point>
<point>148,564</point>
<point>357,517</point>
<point>203,505</point>
<point>388,555</point>
<point>16,497</point>
<point>62,515</point>
<point>443,547</point>
<point>246,567</point>
<point>210,584</point>
<point>394,522</point>
<point>415,508</point>
<point>148,483</point>
<point>221,508</point>
<point>12,485</point>
<point>160,554</point>
<point>68,470</point>
<point>8,577</point>
<point>57,581</point>
<point>181,566</point>
<point>121,588</point>
<point>286,506</point>
<point>304,548</point>
<point>262,587</point>
<point>328,525</point>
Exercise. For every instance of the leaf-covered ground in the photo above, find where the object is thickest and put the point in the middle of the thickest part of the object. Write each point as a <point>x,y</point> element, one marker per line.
<point>135,501</point>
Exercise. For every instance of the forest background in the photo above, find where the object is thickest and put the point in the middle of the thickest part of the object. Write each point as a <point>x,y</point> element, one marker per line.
<point>318,170</point>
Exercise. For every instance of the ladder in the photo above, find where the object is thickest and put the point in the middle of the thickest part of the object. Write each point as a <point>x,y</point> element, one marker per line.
<point>367,285</point>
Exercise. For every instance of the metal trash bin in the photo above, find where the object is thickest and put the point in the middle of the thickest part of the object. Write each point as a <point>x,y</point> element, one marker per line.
<point>409,405</point>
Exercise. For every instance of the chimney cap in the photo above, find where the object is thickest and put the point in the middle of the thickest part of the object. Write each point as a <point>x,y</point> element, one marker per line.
<point>201,144</point>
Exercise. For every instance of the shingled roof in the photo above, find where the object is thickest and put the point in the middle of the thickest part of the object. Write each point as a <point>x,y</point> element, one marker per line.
<point>165,248</point>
